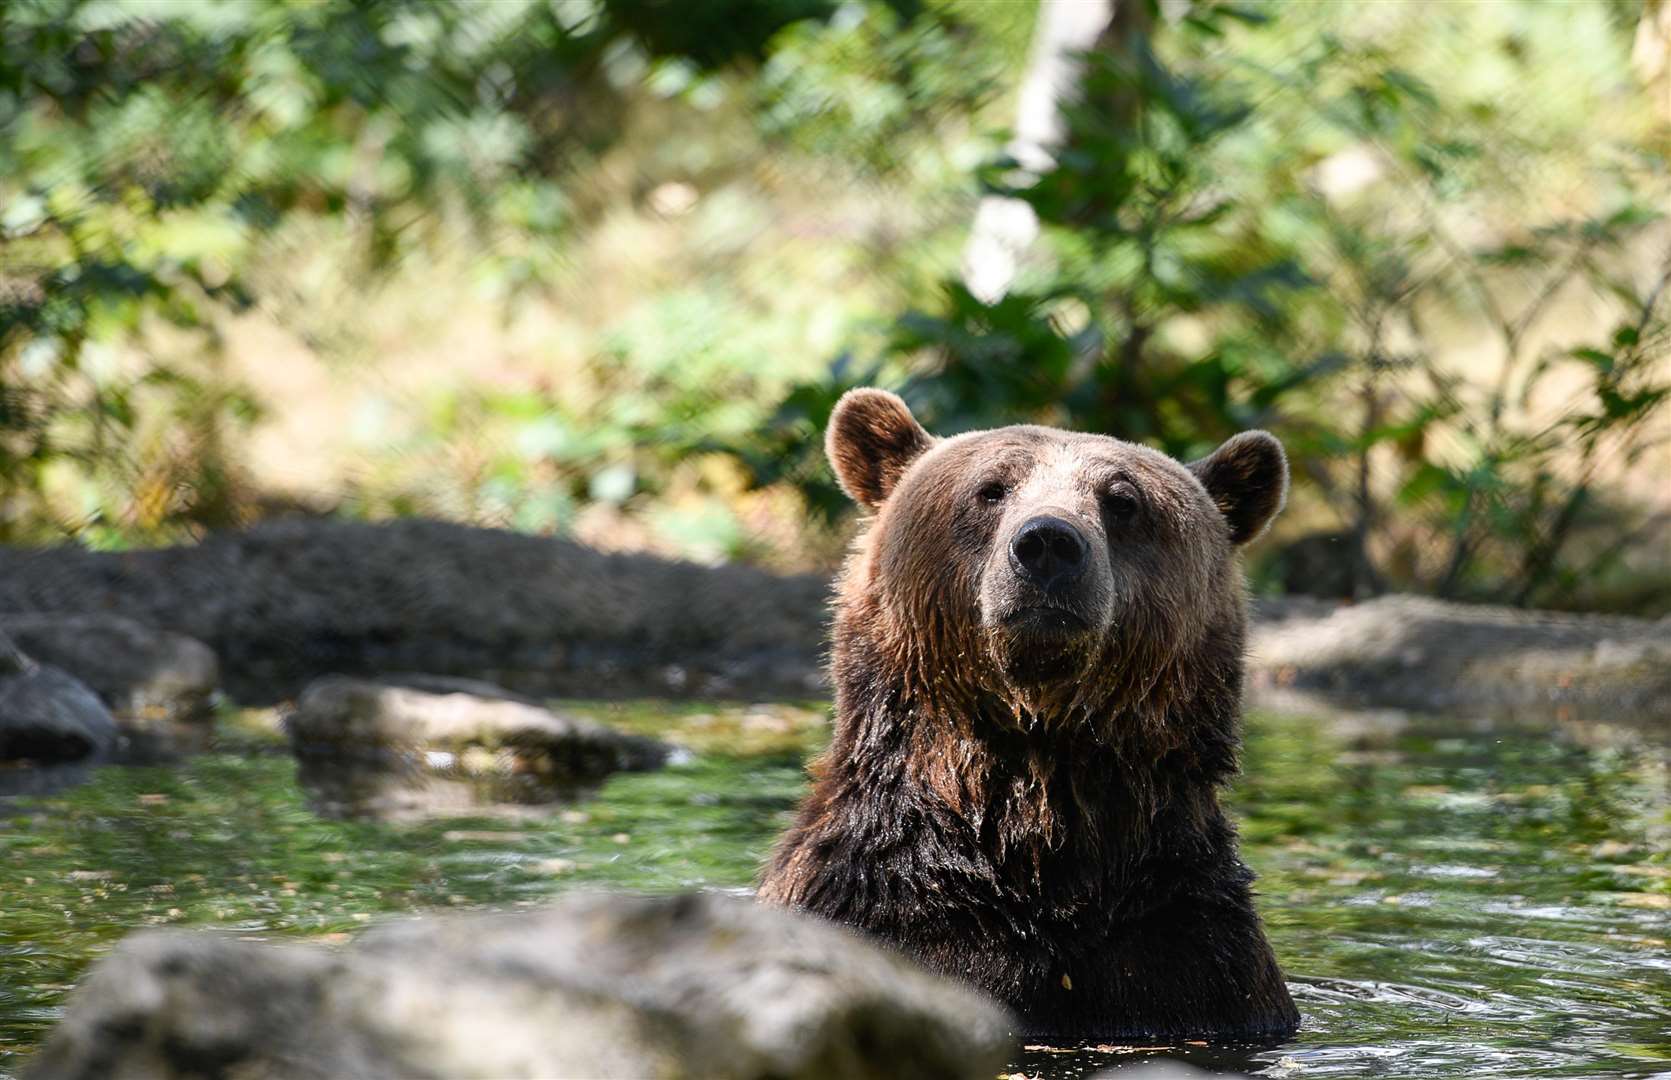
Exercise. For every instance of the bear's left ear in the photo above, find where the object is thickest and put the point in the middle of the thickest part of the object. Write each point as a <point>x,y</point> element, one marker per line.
<point>1248,479</point>
<point>871,439</point>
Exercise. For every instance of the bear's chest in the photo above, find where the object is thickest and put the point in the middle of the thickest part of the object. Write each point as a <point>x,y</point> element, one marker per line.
<point>1041,868</point>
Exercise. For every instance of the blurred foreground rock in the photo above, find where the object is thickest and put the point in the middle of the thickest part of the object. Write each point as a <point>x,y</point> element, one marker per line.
<point>407,747</point>
<point>1427,655</point>
<point>699,985</point>
<point>46,715</point>
<point>140,672</point>
<point>1160,1069</point>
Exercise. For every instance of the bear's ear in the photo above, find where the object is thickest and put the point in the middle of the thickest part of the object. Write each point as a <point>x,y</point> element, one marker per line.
<point>1248,479</point>
<point>871,440</point>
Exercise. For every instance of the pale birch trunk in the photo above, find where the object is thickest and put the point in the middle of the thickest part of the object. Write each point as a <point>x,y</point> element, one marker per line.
<point>1652,55</point>
<point>1005,228</point>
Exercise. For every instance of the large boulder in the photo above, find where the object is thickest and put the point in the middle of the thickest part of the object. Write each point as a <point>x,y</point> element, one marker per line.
<point>700,985</point>
<point>1415,653</point>
<point>139,671</point>
<point>288,601</point>
<point>417,746</point>
<point>47,715</point>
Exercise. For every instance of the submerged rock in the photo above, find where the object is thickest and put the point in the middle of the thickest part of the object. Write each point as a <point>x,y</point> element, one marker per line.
<point>46,715</point>
<point>414,746</point>
<point>597,985</point>
<point>139,671</point>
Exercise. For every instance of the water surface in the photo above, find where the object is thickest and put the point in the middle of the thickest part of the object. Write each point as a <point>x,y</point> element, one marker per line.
<point>1448,897</point>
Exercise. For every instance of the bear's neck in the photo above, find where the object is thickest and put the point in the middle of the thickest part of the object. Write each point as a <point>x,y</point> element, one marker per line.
<point>1032,789</point>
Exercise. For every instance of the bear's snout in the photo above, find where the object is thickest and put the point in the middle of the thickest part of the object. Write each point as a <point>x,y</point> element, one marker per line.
<point>1049,552</point>
<point>1046,593</point>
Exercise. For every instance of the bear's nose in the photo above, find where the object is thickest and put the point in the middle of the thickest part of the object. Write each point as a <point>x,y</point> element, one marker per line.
<point>1048,551</point>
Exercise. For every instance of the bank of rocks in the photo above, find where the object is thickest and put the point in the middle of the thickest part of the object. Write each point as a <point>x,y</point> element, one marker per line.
<point>287,602</point>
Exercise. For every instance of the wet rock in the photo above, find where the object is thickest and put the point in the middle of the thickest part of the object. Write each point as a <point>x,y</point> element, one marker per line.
<point>139,671</point>
<point>460,720</point>
<point>46,715</point>
<point>415,746</point>
<point>28,780</point>
<point>597,985</point>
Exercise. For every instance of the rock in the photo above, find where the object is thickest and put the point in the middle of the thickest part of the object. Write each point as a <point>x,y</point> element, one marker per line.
<point>415,746</point>
<point>1323,564</point>
<point>28,780</point>
<point>597,986</point>
<point>12,660</point>
<point>1160,1069</point>
<point>46,715</point>
<point>139,671</point>
<point>289,601</point>
<point>1416,653</point>
<point>431,715</point>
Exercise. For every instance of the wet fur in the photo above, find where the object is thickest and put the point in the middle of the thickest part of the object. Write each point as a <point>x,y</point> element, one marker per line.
<point>1058,843</point>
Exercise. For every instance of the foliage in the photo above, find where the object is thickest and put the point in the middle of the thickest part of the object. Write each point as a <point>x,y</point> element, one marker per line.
<point>1208,271</point>
<point>1425,247</point>
<point>148,151</point>
<point>627,439</point>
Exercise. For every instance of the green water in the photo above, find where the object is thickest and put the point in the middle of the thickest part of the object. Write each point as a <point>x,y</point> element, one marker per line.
<point>1448,898</point>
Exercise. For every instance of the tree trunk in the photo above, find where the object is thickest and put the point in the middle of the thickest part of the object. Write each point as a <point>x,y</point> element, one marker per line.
<point>1652,55</point>
<point>1005,228</point>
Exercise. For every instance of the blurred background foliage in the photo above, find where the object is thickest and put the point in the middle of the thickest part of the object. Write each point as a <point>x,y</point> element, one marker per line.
<point>601,268</point>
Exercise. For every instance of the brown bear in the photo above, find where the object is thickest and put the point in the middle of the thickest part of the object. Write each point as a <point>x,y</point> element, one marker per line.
<point>1038,672</point>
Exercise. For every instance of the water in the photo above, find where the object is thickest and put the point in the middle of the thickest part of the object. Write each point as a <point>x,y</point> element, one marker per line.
<point>1448,898</point>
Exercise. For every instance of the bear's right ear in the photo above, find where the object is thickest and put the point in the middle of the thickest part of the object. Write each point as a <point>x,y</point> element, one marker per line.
<point>1248,478</point>
<point>871,440</point>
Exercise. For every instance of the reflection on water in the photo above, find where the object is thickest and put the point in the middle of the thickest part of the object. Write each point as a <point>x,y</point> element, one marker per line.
<point>1449,899</point>
<point>1455,900</point>
<point>392,788</point>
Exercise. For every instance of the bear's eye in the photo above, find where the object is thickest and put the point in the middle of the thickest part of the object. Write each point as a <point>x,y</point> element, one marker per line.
<point>1121,501</point>
<point>993,492</point>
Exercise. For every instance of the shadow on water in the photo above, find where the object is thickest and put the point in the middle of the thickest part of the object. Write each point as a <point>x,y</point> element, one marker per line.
<point>1449,898</point>
<point>160,744</point>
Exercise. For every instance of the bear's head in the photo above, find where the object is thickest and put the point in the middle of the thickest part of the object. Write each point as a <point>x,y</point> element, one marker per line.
<point>1059,573</point>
